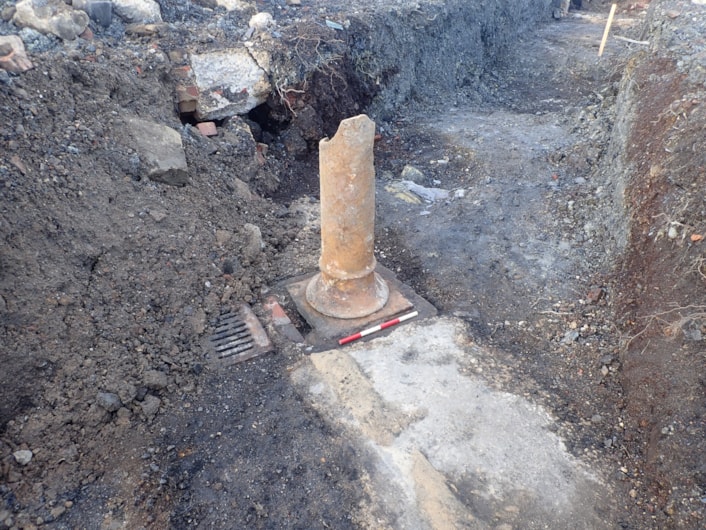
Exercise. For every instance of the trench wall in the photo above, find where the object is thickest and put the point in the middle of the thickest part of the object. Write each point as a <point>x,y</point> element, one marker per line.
<point>426,51</point>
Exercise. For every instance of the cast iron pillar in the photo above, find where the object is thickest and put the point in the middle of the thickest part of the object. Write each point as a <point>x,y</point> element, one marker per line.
<point>348,286</point>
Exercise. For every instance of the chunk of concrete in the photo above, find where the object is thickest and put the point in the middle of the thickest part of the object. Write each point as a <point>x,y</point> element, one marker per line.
<point>233,5</point>
<point>253,241</point>
<point>138,11</point>
<point>13,57</point>
<point>100,11</point>
<point>230,82</point>
<point>50,16</point>
<point>160,150</point>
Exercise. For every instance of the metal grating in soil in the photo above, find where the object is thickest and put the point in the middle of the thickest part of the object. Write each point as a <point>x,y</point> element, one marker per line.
<point>239,336</point>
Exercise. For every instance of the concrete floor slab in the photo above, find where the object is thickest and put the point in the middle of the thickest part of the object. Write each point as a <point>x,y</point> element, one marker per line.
<point>447,450</point>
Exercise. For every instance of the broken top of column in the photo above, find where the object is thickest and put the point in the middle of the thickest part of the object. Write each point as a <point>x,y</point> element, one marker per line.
<point>347,286</point>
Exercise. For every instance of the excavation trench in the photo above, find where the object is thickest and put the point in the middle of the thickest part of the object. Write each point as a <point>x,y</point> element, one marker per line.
<point>510,187</point>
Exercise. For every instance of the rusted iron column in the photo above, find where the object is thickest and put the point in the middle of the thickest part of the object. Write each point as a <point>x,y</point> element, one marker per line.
<point>347,286</point>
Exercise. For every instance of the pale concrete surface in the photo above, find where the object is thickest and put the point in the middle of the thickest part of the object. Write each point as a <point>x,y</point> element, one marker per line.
<point>446,450</point>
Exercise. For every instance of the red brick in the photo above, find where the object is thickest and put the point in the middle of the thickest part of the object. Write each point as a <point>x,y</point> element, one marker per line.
<point>207,128</point>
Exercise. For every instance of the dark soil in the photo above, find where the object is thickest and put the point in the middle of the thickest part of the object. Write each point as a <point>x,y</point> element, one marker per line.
<point>112,283</point>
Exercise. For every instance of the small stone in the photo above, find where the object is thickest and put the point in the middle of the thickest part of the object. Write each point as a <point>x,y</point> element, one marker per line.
<point>13,57</point>
<point>155,380</point>
<point>253,238</point>
<point>413,174</point>
<point>596,418</point>
<point>672,233</point>
<point>261,21</point>
<point>595,295</point>
<point>158,215</point>
<point>23,456</point>
<point>607,359</point>
<point>100,11</point>
<point>150,406</point>
<point>198,321</point>
<point>604,370</point>
<point>58,512</point>
<point>570,336</point>
<point>223,237</point>
<point>138,11</point>
<point>108,401</point>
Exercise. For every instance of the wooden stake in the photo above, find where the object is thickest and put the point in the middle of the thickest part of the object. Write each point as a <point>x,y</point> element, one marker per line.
<point>607,29</point>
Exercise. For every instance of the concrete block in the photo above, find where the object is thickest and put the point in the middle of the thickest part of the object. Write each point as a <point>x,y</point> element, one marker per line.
<point>230,82</point>
<point>50,16</point>
<point>160,150</point>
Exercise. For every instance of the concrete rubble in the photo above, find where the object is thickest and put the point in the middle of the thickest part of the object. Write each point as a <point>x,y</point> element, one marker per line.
<point>13,57</point>
<point>229,82</point>
<point>50,16</point>
<point>160,150</point>
<point>138,11</point>
<point>100,11</point>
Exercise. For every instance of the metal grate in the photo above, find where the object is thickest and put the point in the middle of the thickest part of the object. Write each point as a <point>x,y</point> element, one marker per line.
<point>239,336</point>
<point>232,336</point>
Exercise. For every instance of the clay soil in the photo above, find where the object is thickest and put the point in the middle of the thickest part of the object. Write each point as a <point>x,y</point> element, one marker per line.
<point>112,283</point>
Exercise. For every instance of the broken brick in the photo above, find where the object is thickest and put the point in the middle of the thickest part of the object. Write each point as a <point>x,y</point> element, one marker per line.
<point>207,128</point>
<point>187,98</point>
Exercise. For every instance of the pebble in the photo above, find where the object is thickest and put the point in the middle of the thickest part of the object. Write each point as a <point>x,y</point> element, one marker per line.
<point>158,215</point>
<point>570,336</point>
<point>413,174</point>
<point>109,401</point>
<point>155,379</point>
<point>23,456</point>
<point>253,235</point>
<point>58,511</point>
<point>150,406</point>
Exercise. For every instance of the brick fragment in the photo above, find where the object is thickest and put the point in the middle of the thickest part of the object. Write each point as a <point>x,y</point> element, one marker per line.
<point>207,128</point>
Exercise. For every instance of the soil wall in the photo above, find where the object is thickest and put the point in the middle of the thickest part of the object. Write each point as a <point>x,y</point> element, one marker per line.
<point>656,172</point>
